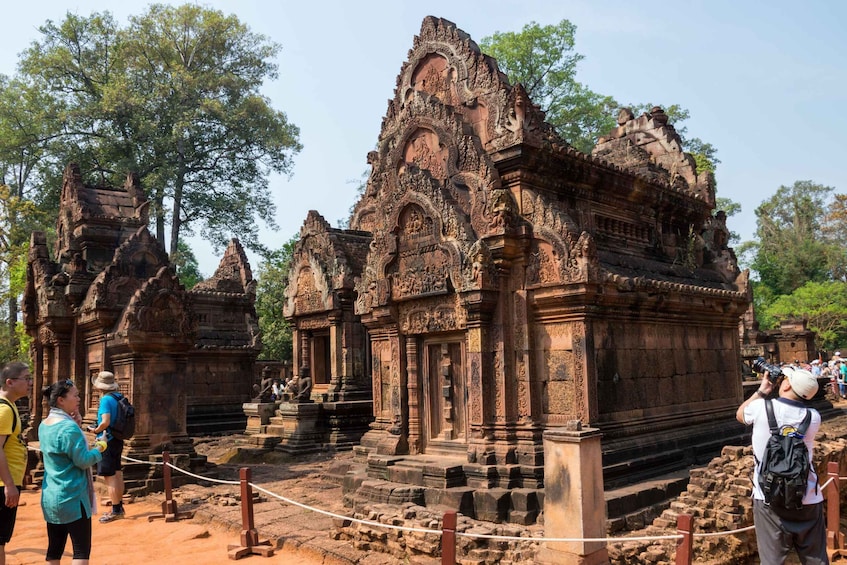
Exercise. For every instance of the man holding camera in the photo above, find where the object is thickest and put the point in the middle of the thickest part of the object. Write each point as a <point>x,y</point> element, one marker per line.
<point>779,530</point>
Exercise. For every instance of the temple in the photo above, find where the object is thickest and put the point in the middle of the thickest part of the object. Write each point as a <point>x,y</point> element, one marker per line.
<point>109,299</point>
<point>496,283</point>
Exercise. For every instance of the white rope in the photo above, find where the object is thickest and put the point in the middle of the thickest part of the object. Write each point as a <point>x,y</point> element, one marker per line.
<point>341,516</point>
<point>202,478</point>
<point>606,540</point>
<point>440,532</point>
<point>727,533</point>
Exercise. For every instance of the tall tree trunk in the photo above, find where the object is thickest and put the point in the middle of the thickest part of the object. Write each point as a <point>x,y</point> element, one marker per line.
<point>179,183</point>
<point>13,319</point>
<point>160,214</point>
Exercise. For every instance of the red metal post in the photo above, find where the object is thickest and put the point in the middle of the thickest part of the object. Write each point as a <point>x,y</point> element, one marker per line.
<point>685,546</point>
<point>170,513</point>
<point>833,506</point>
<point>448,538</point>
<point>249,535</point>
<point>250,544</point>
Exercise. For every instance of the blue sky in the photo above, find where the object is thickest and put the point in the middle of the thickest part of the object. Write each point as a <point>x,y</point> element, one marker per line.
<point>765,83</point>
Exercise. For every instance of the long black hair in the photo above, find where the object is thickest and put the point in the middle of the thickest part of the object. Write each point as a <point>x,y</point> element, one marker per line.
<point>52,393</point>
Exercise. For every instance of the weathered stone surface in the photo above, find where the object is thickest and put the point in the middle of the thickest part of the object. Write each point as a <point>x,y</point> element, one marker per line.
<point>110,300</point>
<point>507,284</point>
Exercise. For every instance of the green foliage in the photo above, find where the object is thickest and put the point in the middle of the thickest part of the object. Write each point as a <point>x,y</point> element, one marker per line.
<point>174,96</point>
<point>543,60</point>
<point>823,304</point>
<point>270,299</point>
<point>187,268</point>
<point>791,247</point>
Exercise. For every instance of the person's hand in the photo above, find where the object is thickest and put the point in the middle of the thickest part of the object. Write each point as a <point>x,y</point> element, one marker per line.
<point>77,418</point>
<point>100,445</point>
<point>91,428</point>
<point>766,386</point>
<point>12,495</point>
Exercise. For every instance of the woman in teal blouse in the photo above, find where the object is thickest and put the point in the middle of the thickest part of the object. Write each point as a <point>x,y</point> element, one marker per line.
<point>67,491</point>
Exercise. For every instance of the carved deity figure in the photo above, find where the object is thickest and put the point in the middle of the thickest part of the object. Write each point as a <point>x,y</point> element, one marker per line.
<point>304,387</point>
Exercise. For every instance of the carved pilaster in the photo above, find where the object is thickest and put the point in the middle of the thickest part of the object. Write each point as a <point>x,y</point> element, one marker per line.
<point>413,388</point>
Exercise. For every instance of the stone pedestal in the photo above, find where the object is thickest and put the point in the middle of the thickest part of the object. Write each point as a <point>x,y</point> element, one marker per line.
<point>301,428</point>
<point>258,416</point>
<point>574,506</point>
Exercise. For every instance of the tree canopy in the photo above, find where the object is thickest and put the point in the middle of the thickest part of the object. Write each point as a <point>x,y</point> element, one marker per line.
<point>822,304</point>
<point>270,298</point>
<point>173,96</point>
<point>792,247</point>
<point>543,60</point>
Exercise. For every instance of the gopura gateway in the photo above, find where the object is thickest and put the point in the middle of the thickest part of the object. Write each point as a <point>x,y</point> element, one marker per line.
<point>509,283</point>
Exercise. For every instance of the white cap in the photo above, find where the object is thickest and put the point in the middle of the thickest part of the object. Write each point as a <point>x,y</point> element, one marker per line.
<point>803,383</point>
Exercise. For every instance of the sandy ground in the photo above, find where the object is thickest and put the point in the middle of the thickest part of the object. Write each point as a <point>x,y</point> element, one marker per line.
<point>136,540</point>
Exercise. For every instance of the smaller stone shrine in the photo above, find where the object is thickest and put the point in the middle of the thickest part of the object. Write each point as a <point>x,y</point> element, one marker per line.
<point>333,405</point>
<point>110,300</point>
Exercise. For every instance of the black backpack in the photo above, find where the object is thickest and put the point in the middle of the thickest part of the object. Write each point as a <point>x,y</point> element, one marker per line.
<point>784,469</point>
<point>124,425</point>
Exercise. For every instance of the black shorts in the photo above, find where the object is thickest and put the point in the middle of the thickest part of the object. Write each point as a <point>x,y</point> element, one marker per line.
<point>7,518</point>
<point>111,462</point>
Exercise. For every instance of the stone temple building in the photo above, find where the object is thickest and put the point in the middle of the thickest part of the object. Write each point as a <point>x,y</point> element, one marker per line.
<point>108,299</point>
<point>512,284</point>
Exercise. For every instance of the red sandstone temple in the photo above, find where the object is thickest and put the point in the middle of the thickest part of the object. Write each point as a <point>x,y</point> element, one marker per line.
<point>110,300</point>
<point>496,282</point>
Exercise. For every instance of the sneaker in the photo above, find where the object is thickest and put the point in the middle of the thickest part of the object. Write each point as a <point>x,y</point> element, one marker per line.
<point>111,517</point>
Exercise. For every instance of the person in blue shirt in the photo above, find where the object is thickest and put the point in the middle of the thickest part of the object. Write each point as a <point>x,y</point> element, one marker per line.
<point>67,490</point>
<point>110,468</point>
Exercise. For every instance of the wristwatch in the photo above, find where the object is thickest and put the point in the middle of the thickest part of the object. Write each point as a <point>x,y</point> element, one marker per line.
<point>760,393</point>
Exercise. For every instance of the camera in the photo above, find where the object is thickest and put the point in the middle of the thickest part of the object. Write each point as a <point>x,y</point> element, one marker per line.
<point>760,366</point>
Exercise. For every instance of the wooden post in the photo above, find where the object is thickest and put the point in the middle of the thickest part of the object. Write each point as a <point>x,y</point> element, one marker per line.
<point>169,509</point>
<point>448,538</point>
<point>685,546</point>
<point>250,544</point>
<point>833,507</point>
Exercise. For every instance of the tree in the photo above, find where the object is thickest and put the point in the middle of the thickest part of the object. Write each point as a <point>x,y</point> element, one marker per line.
<point>543,60</point>
<point>823,304</point>
<point>174,96</point>
<point>187,268</point>
<point>791,248</point>
<point>270,298</point>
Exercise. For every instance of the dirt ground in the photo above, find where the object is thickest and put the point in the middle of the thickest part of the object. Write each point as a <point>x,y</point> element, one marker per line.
<point>299,536</point>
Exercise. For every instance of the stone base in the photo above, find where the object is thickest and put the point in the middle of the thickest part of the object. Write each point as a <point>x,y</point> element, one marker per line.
<point>301,428</point>
<point>258,415</point>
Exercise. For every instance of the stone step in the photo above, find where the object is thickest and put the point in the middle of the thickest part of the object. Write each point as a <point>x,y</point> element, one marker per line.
<point>637,505</point>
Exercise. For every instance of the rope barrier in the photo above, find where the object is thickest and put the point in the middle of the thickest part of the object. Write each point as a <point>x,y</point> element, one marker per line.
<point>493,537</point>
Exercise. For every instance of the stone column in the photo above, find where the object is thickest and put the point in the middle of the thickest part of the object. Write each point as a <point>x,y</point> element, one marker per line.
<point>412,371</point>
<point>574,506</point>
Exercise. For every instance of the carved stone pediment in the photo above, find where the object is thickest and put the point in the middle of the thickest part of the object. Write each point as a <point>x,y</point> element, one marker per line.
<point>324,263</point>
<point>160,306</point>
<point>136,260</point>
<point>232,275</point>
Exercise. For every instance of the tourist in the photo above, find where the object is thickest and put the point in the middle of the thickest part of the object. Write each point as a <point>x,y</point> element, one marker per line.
<point>277,389</point>
<point>67,490</point>
<point>815,367</point>
<point>779,530</point>
<point>16,382</point>
<point>110,467</point>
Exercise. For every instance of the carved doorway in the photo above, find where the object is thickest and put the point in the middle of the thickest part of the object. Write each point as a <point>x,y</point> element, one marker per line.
<point>444,394</point>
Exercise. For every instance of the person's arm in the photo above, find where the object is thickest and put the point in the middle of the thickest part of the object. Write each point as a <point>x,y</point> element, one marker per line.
<point>9,490</point>
<point>78,450</point>
<point>105,420</point>
<point>765,388</point>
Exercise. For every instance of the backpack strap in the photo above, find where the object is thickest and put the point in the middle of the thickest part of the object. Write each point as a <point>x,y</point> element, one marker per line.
<point>14,418</point>
<point>805,425</point>
<point>771,418</point>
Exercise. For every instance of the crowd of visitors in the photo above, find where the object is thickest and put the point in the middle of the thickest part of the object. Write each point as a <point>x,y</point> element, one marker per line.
<point>834,369</point>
